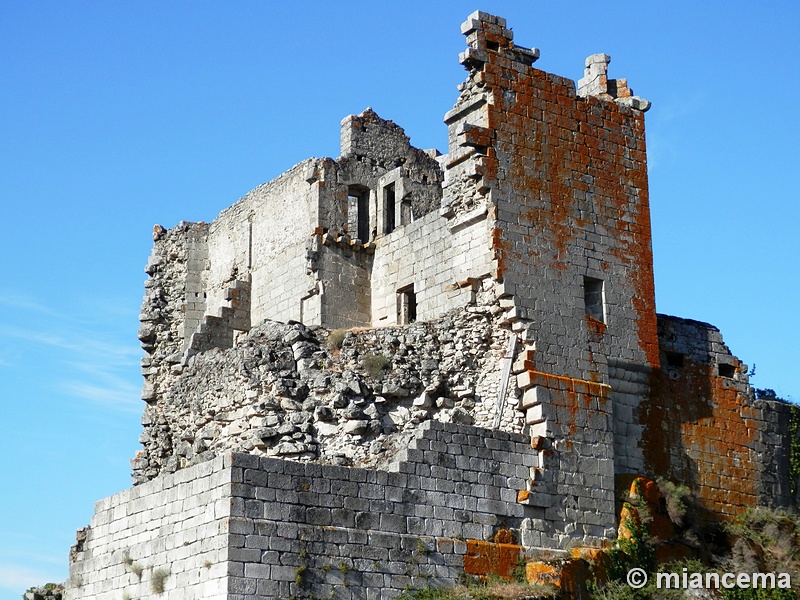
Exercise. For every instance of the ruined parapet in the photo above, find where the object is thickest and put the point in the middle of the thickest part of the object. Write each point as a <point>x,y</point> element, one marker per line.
<point>595,82</point>
<point>366,135</point>
<point>389,182</point>
<point>703,426</point>
<point>174,300</point>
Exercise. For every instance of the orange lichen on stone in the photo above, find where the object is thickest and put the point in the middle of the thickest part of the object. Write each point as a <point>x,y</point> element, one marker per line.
<point>545,573</point>
<point>629,521</point>
<point>569,576</point>
<point>702,414</point>
<point>488,558</point>
<point>504,536</point>
<point>659,526</point>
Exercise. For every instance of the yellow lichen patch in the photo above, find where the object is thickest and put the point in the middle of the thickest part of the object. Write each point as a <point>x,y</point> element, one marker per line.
<point>569,576</point>
<point>629,520</point>
<point>487,558</point>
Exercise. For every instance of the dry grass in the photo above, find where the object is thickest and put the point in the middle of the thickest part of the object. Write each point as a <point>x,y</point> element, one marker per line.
<point>492,590</point>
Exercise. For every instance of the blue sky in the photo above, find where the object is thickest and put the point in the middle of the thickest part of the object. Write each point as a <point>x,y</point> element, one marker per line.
<point>115,116</point>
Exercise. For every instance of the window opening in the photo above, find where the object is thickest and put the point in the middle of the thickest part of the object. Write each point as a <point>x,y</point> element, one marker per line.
<point>674,359</point>
<point>358,201</point>
<point>388,208</point>
<point>406,305</point>
<point>593,298</point>
<point>726,370</point>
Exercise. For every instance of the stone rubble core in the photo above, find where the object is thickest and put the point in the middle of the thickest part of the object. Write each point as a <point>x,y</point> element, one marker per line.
<point>382,370</point>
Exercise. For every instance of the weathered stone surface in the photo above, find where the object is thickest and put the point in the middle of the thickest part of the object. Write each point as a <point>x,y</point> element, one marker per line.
<point>240,523</point>
<point>260,394</point>
<point>354,318</point>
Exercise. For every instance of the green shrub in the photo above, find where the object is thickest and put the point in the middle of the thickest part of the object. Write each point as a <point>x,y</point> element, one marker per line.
<point>634,551</point>
<point>374,364</point>
<point>677,497</point>
<point>495,588</point>
<point>794,448</point>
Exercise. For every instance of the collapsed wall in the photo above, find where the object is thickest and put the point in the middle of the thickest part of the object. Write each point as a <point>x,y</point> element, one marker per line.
<point>290,391</point>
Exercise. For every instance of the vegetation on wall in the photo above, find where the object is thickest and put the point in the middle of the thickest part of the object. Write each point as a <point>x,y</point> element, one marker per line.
<point>760,540</point>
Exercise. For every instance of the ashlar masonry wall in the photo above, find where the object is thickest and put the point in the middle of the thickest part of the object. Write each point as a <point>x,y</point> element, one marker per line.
<point>562,175</point>
<point>442,260</point>
<point>262,239</point>
<point>242,527</point>
<point>173,527</point>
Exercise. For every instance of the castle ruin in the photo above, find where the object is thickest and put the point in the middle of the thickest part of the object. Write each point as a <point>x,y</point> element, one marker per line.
<point>383,360</point>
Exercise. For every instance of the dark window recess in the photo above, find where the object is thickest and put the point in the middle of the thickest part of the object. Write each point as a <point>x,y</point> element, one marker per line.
<point>674,359</point>
<point>406,305</point>
<point>358,199</point>
<point>406,212</point>
<point>593,298</point>
<point>492,46</point>
<point>726,370</point>
<point>388,208</point>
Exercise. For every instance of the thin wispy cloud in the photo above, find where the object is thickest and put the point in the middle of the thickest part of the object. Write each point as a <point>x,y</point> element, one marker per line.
<point>19,578</point>
<point>27,304</point>
<point>124,398</point>
<point>85,362</point>
<point>95,308</point>
<point>81,343</point>
<point>28,557</point>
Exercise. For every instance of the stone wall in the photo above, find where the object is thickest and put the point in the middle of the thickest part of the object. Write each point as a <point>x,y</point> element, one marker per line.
<point>174,529</point>
<point>243,527</point>
<point>704,428</point>
<point>510,283</point>
<point>564,181</point>
<point>174,301</point>
<point>443,261</point>
<point>567,181</point>
<point>262,239</point>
